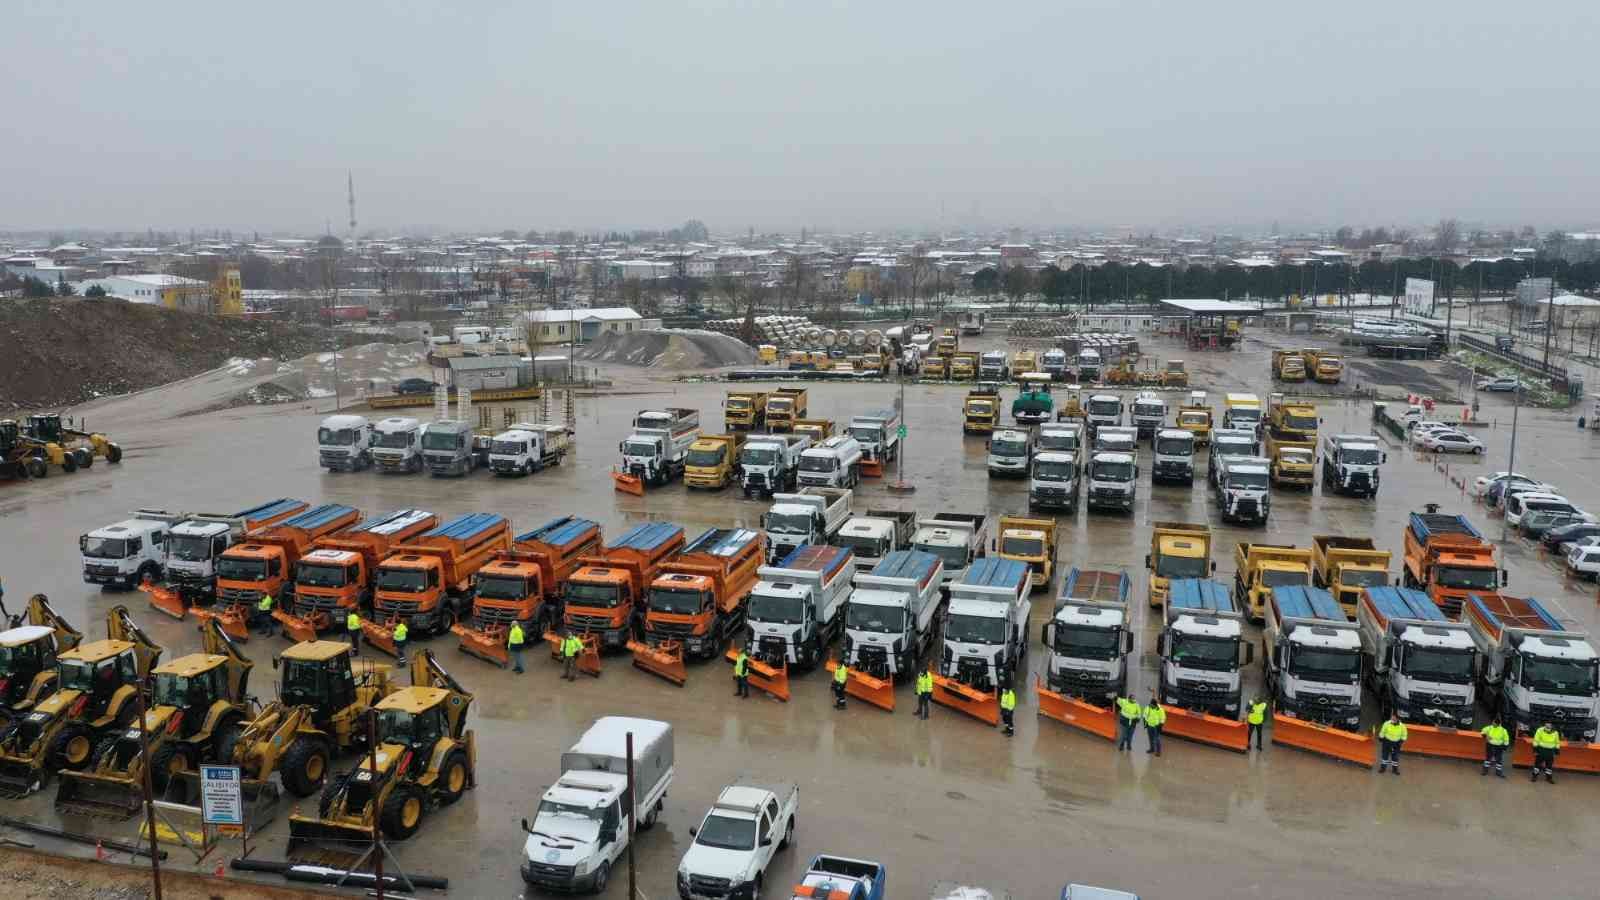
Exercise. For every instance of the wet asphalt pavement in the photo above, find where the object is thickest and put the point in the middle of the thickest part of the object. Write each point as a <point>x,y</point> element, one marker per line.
<point>947,800</point>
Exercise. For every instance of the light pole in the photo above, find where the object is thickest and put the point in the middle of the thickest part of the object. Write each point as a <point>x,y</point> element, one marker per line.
<point>1511,462</point>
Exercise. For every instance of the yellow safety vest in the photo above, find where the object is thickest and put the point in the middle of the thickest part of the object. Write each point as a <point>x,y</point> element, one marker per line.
<point>1129,709</point>
<point>266,603</point>
<point>515,637</point>
<point>352,622</point>
<point>1258,713</point>
<point>571,647</point>
<point>1155,715</point>
<point>925,683</point>
<point>1393,731</point>
<point>741,663</point>
<point>1496,735</point>
<point>1547,739</point>
<point>841,674</point>
<point>400,632</point>
<point>1008,699</point>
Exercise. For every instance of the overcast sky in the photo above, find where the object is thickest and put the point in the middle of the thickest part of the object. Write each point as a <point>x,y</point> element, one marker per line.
<point>524,114</point>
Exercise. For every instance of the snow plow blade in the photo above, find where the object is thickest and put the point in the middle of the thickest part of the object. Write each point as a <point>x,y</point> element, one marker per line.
<point>1573,757</point>
<point>301,628</point>
<point>233,619</point>
<point>960,697</point>
<point>1207,729</point>
<point>771,680</point>
<point>627,484</point>
<point>487,644</point>
<point>588,658</point>
<point>1426,740</point>
<point>1076,713</point>
<point>165,600</point>
<point>1324,740</point>
<point>871,468</point>
<point>877,691</point>
<point>379,636</point>
<point>665,660</point>
<point>100,796</point>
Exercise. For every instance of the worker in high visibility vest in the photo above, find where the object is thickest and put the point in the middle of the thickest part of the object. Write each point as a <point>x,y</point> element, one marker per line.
<point>1256,718</point>
<point>1155,716</point>
<point>1128,714</point>
<point>1391,735</point>
<point>264,615</point>
<point>741,673</point>
<point>352,628</point>
<point>514,641</point>
<point>571,646</point>
<point>401,633</point>
<point>924,692</point>
<point>841,675</point>
<point>1495,741</point>
<point>1546,744</point>
<point>1008,708</point>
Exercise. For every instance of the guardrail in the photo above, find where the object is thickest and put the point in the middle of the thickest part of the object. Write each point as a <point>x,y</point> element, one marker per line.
<point>1382,419</point>
<point>1521,359</point>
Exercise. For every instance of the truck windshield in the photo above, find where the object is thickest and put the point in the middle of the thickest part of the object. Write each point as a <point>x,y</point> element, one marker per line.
<point>1009,448</point>
<point>639,448</point>
<point>438,440</point>
<point>1300,423</point>
<point>1105,408</point>
<point>706,458</point>
<point>1064,442</point>
<point>1029,548</point>
<point>560,820</point>
<point>1194,418</point>
<point>863,545</point>
<point>396,440</point>
<point>1223,448</point>
<point>1088,643</point>
<point>727,834</point>
<point>954,557</point>
<point>683,603</point>
<point>105,548</point>
<point>336,437</point>
<point>1245,415</point>
<point>1195,651</point>
<point>789,523</point>
<point>1175,446</point>
<point>1568,677</point>
<point>880,619</point>
<point>866,434</point>
<point>1363,578</point>
<point>1149,411</point>
<point>738,404</point>
<point>1113,471</point>
<point>502,587</point>
<point>1169,566</point>
<point>1431,664</point>
<point>317,575</point>
<point>759,456</point>
<point>304,681</point>
<point>975,629</point>
<point>1294,456</point>
<point>408,581</point>
<point>1248,481</point>
<point>1321,664</point>
<point>778,610</point>
<point>1458,577</point>
<point>604,596</point>
<point>505,448</point>
<point>236,569</point>
<point>1282,577</point>
<point>779,405</point>
<point>979,407</point>
<point>172,689</point>
<point>1360,456</point>
<point>818,463</point>
<point>1053,471</point>
<point>78,674</point>
<point>189,548</point>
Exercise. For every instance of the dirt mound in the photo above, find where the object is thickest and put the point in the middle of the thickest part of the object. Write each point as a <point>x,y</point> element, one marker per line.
<point>67,351</point>
<point>670,349</point>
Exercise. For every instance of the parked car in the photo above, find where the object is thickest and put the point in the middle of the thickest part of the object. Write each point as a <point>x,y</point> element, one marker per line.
<point>1499,491</point>
<point>1451,442</point>
<point>1483,483</point>
<point>1521,504</point>
<point>1571,533</point>
<point>1591,541</point>
<point>1584,562</point>
<point>1535,524</point>
<point>1422,425</point>
<point>1504,383</point>
<point>415,386</point>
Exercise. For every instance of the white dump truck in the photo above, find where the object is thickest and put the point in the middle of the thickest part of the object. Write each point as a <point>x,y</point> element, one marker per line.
<point>890,624</point>
<point>797,608</point>
<point>1313,657</point>
<point>814,515</point>
<point>1421,663</point>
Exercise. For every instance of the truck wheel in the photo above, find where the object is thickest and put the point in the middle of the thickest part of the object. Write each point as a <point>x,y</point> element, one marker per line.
<point>38,468</point>
<point>304,766</point>
<point>788,836</point>
<point>69,463</point>
<point>168,759</point>
<point>113,453</point>
<point>603,875</point>
<point>85,457</point>
<point>402,811</point>
<point>72,748</point>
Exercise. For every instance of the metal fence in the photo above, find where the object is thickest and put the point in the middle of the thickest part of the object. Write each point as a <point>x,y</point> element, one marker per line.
<point>1558,373</point>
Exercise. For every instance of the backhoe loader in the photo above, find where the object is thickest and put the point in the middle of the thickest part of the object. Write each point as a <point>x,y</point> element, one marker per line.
<point>426,757</point>
<point>96,696</point>
<point>197,704</point>
<point>28,650</point>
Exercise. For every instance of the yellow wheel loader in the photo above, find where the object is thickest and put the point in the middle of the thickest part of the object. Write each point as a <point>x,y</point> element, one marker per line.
<point>28,650</point>
<point>426,757</point>
<point>96,695</point>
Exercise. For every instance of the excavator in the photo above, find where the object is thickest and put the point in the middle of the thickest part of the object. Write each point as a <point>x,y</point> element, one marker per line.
<point>426,757</point>
<point>198,703</point>
<point>95,697</point>
<point>28,650</point>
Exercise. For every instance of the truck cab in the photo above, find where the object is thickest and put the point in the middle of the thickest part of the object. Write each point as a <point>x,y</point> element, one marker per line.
<point>957,539</point>
<point>1054,363</point>
<point>836,462</point>
<point>397,444</point>
<point>453,448</point>
<point>985,624</point>
<point>1244,489</point>
<point>784,407</point>
<point>1112,481</point>
<point>1241,411</point>
<point>1350,464</point>
<point>875,534</point>
<point>1054,482</point>
<point>1534,669</point>
<point>1195,417</point>
<point>712,461</point>
<point>980,413</point>
<point>1199,649</point>
<point>1104,409</point>
<point>1090,642</point>
<point>344,442</point>
<point>889,623</point>
<point>992,366</point>
<point>1313,656</point>
<point>125,553</point>
<point>1422,664</point>
<point>878,433</point>
<point>1066,437</point>
<point>1177,550</point>
<point>526,448</point>
<point>797,608</point>
<point>1258,568</point>
<point>654,452</point>
<point>1149,414</point>
<point>1174,456</point>
<point>1089,366</point>
<point>745,410</point>
<point>699,597</point>
<point>1031,542</point>
<point>1009,452</point>
<point>812,516</point>
<point>769,463</point>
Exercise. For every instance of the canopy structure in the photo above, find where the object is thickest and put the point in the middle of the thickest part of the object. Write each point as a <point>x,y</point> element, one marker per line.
<point>1210,324</point>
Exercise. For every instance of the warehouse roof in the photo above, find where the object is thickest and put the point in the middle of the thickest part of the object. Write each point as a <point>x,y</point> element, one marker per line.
<point>601,313</point>
<point>1211,307</point>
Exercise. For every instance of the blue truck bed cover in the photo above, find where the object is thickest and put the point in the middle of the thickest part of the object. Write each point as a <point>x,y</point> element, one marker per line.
<point>1301,602</point>
<point>268,510</point>
<point>915,564</point>
<point>467,525</point>
<point>560,531</point>
<point>1425,525</point>
<point>817,558</point>
<point>722,541</point>
<point>1200,595</point>
<point>1404,603</point>
<point>648,536</point>
<point>391,522</point>
<point>318,516</point>
<point>995,572</point>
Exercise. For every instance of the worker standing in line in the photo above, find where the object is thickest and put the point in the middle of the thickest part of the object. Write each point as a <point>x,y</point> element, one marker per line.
<point>1390,737</point>
<point>401,632</point>
<point>352,627</point>
<point>514,641</point>
<point>1129,715</point>
<point>1546,744</point>
<point>1256,718</point>
<point>264,614</point>
<point>924,692</point>
<point>1008,708</point>
<point>1495,741</point>
<point>741,673</point>
<point>840,676</point>
<point>1155,716</point>
<point>571,646</point>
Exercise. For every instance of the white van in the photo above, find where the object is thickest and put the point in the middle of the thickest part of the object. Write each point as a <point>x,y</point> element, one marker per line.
<point>1520,505</point>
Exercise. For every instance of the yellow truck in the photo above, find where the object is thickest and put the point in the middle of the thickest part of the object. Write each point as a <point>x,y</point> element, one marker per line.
<point>712,460</point>
<point>1241,411</point>
<point>784,406</point>
<point>1294,463</point>
<point>946,344</point>
<point>1288,365</point>
<point>1258,568</point>
<point>1346,566</point>
<point>980,414</point>
<point>818,430</point>
<point>744,410</point>
<point>1031,542</point>
<point>964,367</point>
<point>1194,416</point>
<point>1175,376</point>
<point>767,354</point>
<point>1023,362</point>
<point>1292,421</point>
<point>935,367</point>
<point>1324,367</point>
<point>1177,550</point>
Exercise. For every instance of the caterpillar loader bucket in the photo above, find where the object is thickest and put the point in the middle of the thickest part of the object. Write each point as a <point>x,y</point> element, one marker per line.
<point>379,636</point>
<point>337,836</point>
<point>877,691</point>
<point>871,468</point>
<point>1076,713</point>
<point>1324,740</point>
<point>21,777</point>
<point>487,644</point>
<point>665,659</point>
<point>261,797</point>
<point>975,703</point>
<point>627,484</point>
<point>1426,740</point>
<point>589,656</point>
<point>234,620</point>
<point>1573,757</point>
<point>1206,729</point>
<point>100,796</point>
<point>301,628</point>
<point>166,600</point>
<point>770,679</point>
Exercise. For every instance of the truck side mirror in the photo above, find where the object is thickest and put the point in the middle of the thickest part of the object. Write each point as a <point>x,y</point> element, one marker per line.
<point>1044,633</point>
<point>1383,458</point>
<point>1127,642</point>
<point>525,827</point>
<point>1505,577</point>
<point>619,446</point>
<point>1147,560</point>
<point>1161,644</point>
<point>1213,565</point>
<point>1249,654</point>
<point>694,830</point>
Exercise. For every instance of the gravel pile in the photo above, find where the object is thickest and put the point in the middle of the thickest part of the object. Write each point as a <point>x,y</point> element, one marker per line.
<point>669,349</point>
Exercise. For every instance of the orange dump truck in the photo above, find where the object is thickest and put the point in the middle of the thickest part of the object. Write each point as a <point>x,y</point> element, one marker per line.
<point>427,582</point>
<point>607,592</point>
<point>524,585</point>
<point>1449,560</point>
<point>699,598</point>
<point>336,577</point>
<point>265,564</point>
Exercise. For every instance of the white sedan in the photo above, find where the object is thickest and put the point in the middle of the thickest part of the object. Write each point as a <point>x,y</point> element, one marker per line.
<point>1451,442</point>
<point>1424,429</point>
<point>1482,483</point>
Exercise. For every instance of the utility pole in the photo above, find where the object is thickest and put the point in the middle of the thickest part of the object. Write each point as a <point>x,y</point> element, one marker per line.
<point>1511,462</point>
<point>1550,320</point>
<point>633,812</point>
<point>149,801</point>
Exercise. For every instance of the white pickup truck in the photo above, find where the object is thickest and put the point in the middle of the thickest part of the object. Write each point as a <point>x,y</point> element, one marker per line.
<point>736,841</point>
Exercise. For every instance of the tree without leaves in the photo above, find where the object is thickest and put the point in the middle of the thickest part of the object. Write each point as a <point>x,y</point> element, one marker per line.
<point>1018,282</point>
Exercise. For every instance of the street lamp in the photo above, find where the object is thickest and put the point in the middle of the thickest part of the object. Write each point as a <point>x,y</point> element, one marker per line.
<point>1511,462</point>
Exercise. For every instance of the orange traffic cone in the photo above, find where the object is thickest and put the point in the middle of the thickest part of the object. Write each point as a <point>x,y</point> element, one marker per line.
<point>99,851</point>
<point>218,873</point>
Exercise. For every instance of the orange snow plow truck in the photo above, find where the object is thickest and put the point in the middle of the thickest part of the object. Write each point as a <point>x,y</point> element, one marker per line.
<point>336,577</point>
<point>426,583</point>
<point>699,600</point>
<point>265,564</point>
<point>605,597</point>
<point>1448,559</point>
<point>524,584</point>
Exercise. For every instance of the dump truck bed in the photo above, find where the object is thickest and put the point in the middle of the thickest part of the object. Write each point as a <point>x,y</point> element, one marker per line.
<point>1497,612</point>
<point>1386,604</point>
